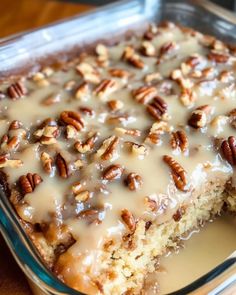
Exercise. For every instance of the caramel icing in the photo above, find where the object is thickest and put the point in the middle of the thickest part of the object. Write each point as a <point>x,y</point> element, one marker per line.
<point>202,161</point>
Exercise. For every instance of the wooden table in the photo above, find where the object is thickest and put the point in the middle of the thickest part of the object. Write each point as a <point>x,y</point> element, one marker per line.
<point>17,16</point>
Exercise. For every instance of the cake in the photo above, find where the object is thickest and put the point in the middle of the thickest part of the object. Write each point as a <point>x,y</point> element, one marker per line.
<point>113,156</point>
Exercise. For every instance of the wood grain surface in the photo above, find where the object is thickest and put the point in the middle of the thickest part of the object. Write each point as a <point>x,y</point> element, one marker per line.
<point>17,16</point>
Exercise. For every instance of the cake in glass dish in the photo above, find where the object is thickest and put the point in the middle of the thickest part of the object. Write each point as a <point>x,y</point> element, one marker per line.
<point>113,156</point>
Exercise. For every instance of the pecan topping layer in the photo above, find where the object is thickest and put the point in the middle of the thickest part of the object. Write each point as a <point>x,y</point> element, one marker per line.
<point>128,219</point>
<point>28,182</point>
<point>228,149</point>
<point>177,171</point>
<point>133,181</point>
<point>16,90</point>
<point>112,172</point>
<point>179,139</point>
<point>72,118</point>
<point>61,166</point>
<point>157,108</point>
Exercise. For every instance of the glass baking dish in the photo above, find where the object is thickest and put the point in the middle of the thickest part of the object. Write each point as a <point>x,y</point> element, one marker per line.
<point>23,51</point>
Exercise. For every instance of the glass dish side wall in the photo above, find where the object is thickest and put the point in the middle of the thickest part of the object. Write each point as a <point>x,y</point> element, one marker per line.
<point>28,48</point>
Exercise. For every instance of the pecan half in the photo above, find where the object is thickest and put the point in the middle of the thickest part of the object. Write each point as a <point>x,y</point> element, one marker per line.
<point>144,94</point>
<point>28,182</point>
<point>232,118</point>
<point>47,162</point>
<point>62,166</point>
<point>128,219</point>
<point>133,181</point>
<point>106,87</point>
<point>177,171</point>
<point>179,139</point>
<point>228,149</point>
<point>157,108</point>
<point>112,172</point>
<point>72,118</point>
<point>16,90</point>
<point>199,117</point>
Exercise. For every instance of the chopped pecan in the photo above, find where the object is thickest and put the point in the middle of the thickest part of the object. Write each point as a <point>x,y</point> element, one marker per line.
<point>88,72</point>
<point>47,162</point>
<point>179,139</point>
<point>218,57</point>
<point>112,172</point>
<point>28,182</point>
<point>87,111</point>
<point>82,196</point>
<point>115,105</point>
<point>228,149</point>
<point>82,91</point>
<point>108,148</point>
<point>133,181</point>
<point>177,171</point>
<point>69,85</point>
<point>157,108</point>
<point>6,162</point>
<point>232,118</point>
<point>199,117</point>
<point>132,57</point>
<point>168,47</point>
<point>179,213</point>
<point>119,73</point>
<point>16,90</point>
<point>87,146</point>
<point>71,132</point>
<point>128,219</point>
<point>187,97</point>
<point>106,87</point>
<point>148,49</point>
<point>62,166</point>
<point>90,215</point>
<point>144,94</point>
<point>72,118</point>
<point>157,129</point>
<point>101,50</point>
<point>153,77</point>
<point>150,204</point>
<point>131,132</point>
<point>9,143</point>
<point>51,99</point>
<point>15,125</point>
<point>151,32</point>
<point>139,150</point>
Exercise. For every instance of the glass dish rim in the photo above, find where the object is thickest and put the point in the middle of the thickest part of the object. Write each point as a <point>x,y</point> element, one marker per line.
<point>19,243</point>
